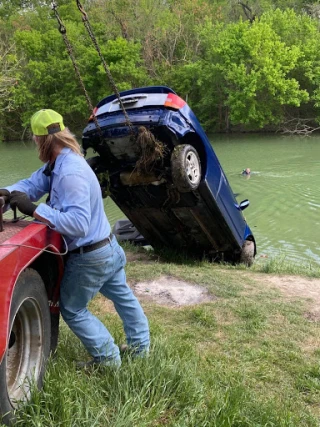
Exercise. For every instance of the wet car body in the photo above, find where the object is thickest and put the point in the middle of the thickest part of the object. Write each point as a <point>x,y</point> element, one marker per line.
<point>182,200</point>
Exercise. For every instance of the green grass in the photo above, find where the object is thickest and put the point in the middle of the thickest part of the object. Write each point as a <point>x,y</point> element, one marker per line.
<point>248,358</point>
<point>280,265</point>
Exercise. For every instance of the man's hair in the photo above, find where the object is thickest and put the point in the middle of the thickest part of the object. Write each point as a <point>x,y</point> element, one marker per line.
<point>64,138</point>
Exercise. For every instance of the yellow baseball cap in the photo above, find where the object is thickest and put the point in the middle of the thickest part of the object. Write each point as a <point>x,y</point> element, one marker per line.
<point>46,122</point>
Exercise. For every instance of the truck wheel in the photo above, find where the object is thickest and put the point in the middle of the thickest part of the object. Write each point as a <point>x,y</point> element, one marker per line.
<point>247,253</point>
<point>185,168</point>
<point>29,344</point>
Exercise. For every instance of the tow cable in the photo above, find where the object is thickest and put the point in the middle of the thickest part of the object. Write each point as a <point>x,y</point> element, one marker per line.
<point>63,32</point>
<point>88,27</point>
<point>150,148</point>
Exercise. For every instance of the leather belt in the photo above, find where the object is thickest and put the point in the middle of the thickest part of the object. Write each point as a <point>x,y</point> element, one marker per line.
<point>90,248</point>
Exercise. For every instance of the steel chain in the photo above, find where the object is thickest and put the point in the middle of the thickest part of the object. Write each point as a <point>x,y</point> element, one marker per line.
<point>105,66</point>
<point>63,31</point>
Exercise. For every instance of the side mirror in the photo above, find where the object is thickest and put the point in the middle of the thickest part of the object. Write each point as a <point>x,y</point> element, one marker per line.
<point>244,204</point>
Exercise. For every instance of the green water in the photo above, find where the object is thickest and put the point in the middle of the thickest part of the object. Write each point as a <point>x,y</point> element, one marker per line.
<point>283,189</point>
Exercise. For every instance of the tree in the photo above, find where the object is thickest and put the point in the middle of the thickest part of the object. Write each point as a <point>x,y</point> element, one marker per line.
<point>300,32</point>
<point>9,69</point>
<point>47,78</point>
<point>244,76</point>
<point>240,63</point>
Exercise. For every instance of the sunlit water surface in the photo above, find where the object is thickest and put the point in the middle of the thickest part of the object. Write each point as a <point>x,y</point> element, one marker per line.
<point>283,189</point>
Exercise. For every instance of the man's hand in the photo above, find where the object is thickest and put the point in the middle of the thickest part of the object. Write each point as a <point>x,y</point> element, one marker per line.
<point>22,202</point>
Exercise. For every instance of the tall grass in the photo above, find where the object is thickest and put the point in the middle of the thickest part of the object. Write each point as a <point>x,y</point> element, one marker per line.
<point>280,265</point>
<point>249,358</point>
<point>174,386</point>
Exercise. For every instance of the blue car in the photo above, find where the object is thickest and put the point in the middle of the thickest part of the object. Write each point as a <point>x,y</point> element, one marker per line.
<point>156,163</point>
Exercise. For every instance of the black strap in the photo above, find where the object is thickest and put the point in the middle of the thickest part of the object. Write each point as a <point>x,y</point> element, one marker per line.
<point>92,247</point>
<point>48,172</point>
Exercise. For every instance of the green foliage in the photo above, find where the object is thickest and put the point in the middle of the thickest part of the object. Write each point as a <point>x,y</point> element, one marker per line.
<point>48,79</point>
<point>301,32</point>
<point>244,75</point>
<point>247,65</point>
<point>9,70</point>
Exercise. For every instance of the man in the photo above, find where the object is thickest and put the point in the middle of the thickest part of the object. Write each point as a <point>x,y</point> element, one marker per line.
<point>246,171</point>
<point>95,261</point>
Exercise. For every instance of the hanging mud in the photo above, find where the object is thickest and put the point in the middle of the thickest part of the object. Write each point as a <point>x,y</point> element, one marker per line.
<point>150,151</point>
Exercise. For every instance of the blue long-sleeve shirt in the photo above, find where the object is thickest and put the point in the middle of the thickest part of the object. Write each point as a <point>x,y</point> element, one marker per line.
<point>75,208</point>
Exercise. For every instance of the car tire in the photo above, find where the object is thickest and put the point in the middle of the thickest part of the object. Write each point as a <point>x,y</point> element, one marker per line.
<point>185,168</point>
<point>94,162</point>
<point>247,253</point>
<point>29,346</point>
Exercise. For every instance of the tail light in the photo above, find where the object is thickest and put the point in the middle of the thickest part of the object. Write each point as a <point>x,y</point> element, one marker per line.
<point>93,114</point>
<point>174,101</point>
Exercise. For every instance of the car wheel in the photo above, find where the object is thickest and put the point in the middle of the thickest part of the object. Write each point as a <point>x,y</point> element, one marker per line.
<point>247,253</point>
<point>94,162</point>
<point>29,344</point>
<point>185,168</point>
<point>101,173</point>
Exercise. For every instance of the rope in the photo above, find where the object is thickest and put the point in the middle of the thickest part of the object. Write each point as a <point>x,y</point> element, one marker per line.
<point>63,32</point>
<point>16,245</point>
<point>144,138</point>
<point>106,68</point>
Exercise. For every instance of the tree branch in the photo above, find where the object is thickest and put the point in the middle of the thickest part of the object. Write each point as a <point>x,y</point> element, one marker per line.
<point>301,127</point>
<point>247,11</point>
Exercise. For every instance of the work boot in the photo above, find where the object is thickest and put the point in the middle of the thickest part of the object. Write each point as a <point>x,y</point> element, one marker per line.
<point>99,362</point>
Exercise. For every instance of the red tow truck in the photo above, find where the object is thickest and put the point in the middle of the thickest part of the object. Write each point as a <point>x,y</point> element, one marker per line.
<point>31,268</point>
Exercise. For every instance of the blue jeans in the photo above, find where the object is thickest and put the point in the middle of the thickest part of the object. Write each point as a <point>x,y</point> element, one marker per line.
<point>101,270</point>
